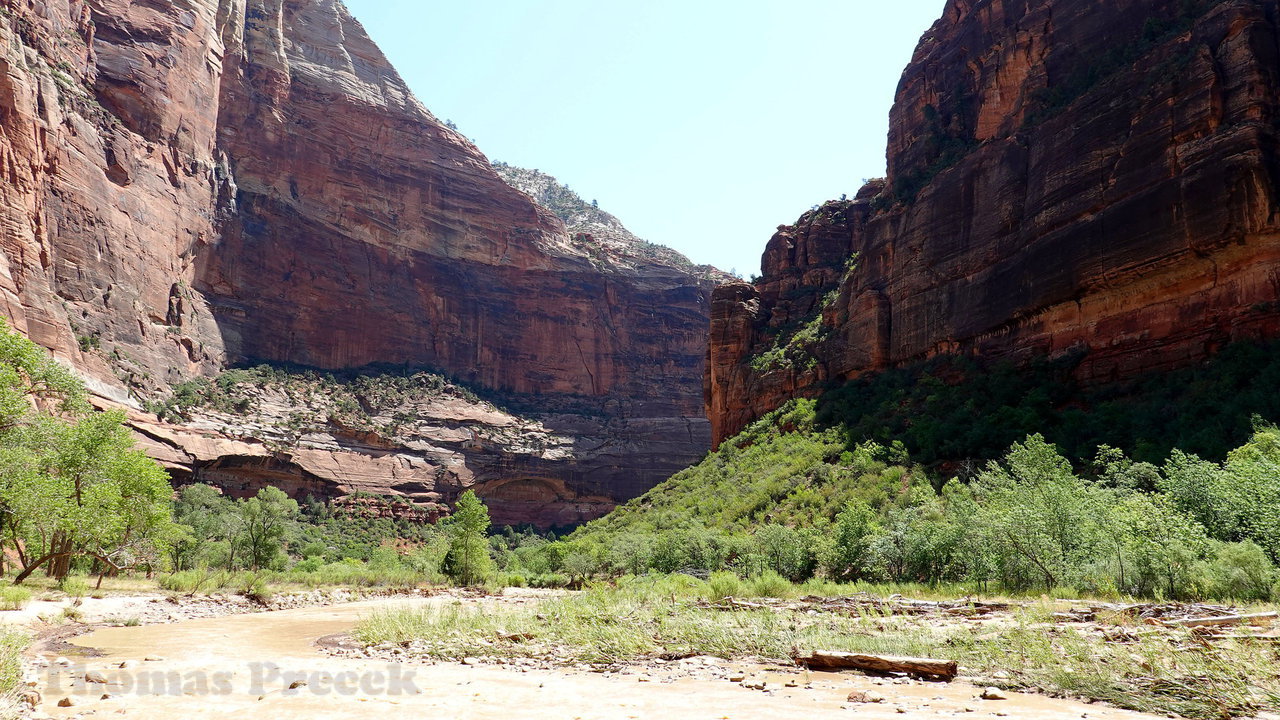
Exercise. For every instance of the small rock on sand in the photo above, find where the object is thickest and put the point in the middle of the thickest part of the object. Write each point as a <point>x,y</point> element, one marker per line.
<point>865,696</point>
<point>93,676</point>
<point>992,693</point>
<point>66,702</point>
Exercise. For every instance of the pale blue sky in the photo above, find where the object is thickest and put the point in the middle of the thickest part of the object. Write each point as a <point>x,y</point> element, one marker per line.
<point>701,124</point>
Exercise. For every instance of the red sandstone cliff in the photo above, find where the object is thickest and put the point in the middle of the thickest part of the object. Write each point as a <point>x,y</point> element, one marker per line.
<point>189,184</point>
<point>1093,175</point>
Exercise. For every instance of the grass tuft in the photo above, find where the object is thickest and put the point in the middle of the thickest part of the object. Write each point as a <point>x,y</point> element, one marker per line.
<point>1164,670</point>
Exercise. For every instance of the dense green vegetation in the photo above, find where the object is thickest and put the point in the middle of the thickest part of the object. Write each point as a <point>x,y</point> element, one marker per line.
<point>250,544</point>
<point>74,492</point>
<point>792,348</point>
<point>958,410</point>
<point>791,498</point>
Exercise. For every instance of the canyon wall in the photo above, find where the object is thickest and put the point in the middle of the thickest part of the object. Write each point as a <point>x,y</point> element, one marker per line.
<point>197,184</point>
<point>1095,177</point>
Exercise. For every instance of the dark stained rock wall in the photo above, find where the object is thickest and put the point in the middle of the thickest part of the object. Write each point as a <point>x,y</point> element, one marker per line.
<point>1096,176</point>
<point>192,184</point>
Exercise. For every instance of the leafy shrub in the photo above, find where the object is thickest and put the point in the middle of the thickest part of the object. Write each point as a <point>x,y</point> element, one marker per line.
<point>13,597</point>
<point>580,565</point>
<point>770,584</point>
<point>254,587</point>
<point>186,581</point>
<point>783,550</point>
<point>74,586</point>
<point>309,565</point>
<point>723,585</point>
<point>1238,571</point>
<point>549,580</point>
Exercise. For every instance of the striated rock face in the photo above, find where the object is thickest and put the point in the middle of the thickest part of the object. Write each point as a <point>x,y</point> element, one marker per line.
<point>192,184</point>
<point>426,446</point>
<point>1096,177</point>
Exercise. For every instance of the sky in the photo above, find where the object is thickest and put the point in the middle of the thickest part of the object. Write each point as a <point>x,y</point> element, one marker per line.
<point>701,124</point>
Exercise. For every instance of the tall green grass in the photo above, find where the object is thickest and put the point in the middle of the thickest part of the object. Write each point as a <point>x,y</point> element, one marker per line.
<point>12,643</point>
<point>662,616</point>
<point>645,616</point>
<point>14,597</point>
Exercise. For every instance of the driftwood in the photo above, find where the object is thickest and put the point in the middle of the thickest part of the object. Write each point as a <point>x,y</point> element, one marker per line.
<point>1251,619</point>
<point>833,660</point>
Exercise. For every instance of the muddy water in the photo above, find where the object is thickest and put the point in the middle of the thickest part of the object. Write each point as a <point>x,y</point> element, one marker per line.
<point>243,667</point>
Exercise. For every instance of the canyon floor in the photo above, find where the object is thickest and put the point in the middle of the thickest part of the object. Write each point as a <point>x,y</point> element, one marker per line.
<point>281,664</point>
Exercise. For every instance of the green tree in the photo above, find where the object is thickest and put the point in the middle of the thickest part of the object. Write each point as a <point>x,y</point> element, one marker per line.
<point>1202,490</point>
<point>213,522</point>
<point>845,558</point>
<point>468,561</point>
<point>1156,547</point>
<point>669,553</point>
<point>83,491</point>
<point>580,564</point>
<point>72,485</point>
<point>1237,571</point>
<point>784,550</point>
<point>266,519</point>
<point>631,553</point>
<point>1040,518</point>
<point>1254,472</point>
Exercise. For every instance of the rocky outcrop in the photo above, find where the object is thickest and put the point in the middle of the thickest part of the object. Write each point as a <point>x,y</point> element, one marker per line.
<point>195,184</point>
<point>594,227</point>
<point>557,471</point>
<point>1091,177</point>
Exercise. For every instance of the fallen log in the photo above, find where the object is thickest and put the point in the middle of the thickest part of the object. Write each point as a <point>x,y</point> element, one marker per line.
<point>834,660</point>
<point>1250,619</point>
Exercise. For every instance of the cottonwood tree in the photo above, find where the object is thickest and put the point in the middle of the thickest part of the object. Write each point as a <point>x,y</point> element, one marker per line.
<point>468,561</point>
<point>846,557</point>
<point>265,520</point>
<point>1039,517</point>
<point>209,522</point>
<point>71,482</point>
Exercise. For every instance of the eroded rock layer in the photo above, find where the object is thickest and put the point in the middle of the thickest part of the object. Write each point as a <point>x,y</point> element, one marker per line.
<point>1096,177</point>
<point>192,184</point>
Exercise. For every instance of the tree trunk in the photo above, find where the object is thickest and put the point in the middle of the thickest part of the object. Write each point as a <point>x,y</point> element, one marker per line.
<point>26,572</point>
<point>832,660</point>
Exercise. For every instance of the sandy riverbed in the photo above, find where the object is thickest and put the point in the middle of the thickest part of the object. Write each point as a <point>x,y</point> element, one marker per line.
<point>244,665</point>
